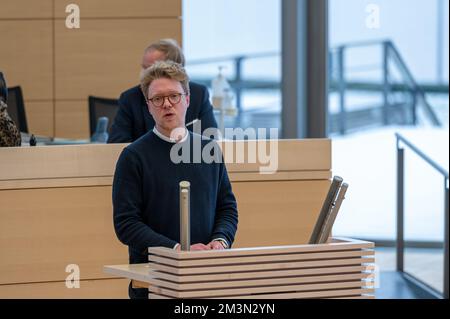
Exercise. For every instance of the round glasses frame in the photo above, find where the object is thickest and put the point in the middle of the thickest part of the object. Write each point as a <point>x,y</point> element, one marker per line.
<point>174,98</point>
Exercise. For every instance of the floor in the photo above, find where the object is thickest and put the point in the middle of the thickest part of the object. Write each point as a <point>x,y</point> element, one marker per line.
<point>425,264</point>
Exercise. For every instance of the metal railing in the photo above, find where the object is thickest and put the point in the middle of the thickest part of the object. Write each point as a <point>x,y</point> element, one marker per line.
<point>401,214</point>
<point>237,83</point>
<point>345,120</point>
<point>388,87</point>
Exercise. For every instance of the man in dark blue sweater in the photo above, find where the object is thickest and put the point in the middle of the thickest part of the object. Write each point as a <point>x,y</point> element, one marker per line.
<point>133,119</point>
<point>148,173</point>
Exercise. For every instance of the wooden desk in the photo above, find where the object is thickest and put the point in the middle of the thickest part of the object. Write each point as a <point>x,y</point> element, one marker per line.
<point>56,210</point>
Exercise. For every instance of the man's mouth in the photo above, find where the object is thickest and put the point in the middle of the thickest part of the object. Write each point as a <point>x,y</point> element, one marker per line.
<point>169,115</point>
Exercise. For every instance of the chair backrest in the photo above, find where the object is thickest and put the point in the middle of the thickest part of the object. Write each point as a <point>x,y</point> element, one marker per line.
<point>16,108</point>
<point>99,107</point>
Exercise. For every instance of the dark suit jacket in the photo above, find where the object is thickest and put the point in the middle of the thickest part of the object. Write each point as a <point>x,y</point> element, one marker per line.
<point>134,120</point>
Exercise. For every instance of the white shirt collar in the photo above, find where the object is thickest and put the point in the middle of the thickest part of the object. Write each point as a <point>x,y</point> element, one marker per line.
<point>168,139</point>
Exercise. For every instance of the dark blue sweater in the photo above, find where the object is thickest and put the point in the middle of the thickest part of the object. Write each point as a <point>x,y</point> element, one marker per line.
<point>146,197</point>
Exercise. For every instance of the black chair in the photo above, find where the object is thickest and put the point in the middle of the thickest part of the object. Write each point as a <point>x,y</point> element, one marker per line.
<point>99,107</point>
<point>16,108</point>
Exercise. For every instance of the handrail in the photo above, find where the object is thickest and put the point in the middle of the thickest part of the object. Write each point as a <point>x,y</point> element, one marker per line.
<point>401,217</point>
<point>358,44</point>
<point>413,93</point>
<point>387,86</point>
<point>421,154</point>
<point>233,58</point>
<point>414,86</point>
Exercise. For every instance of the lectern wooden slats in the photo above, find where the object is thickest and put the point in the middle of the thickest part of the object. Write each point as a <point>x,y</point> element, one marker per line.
<point>259,282</point>
<point>257,259</point>
<point>309,294</point>
<point>261,266</point>
<point>344,293</point>
<point>255,290</point>
<point>338,245</point>
<point>343,268</point>
<point>260,274</point>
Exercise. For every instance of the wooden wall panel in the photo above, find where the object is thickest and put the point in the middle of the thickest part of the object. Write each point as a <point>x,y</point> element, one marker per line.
<point>40,117</point>
<point>119,8</point>
<point>277,213</point>
<point>61,162</point>
<point>89,289</point>
<point>72,119</point>
<point>52,228</point>
<point>43,162</point>
<point>26,9</point>
<point>53,63</point>
<point>318,159</point>
<point>26,57</point>
<point>103,57</point>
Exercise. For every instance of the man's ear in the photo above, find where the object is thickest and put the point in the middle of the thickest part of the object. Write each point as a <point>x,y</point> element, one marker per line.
<point>188,100</point>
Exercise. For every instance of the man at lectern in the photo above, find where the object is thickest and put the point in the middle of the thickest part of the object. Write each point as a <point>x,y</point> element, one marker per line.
<point>148,173</point>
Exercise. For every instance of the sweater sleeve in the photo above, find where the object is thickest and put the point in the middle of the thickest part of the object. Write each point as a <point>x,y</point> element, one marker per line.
<point>128,205</point>
<point>226,219</point>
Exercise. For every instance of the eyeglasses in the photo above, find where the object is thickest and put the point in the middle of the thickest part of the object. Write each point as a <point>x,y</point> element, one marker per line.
<point>174,98</point>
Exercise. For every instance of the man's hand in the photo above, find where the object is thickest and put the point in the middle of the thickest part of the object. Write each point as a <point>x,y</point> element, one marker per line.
<point>216,245</point>
<point>196,247</point>
<point>200,247</point>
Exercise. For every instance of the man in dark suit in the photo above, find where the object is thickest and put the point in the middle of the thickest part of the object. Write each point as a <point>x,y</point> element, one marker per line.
<point>133,118</point>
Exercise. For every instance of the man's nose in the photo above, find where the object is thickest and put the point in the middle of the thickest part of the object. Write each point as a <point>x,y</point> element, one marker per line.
<point>166,102</point>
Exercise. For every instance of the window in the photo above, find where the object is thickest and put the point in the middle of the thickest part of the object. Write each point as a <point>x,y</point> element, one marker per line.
<point>244,38</point>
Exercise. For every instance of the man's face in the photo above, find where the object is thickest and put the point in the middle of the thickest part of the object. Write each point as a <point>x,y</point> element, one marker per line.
<point>168,116</point>
<point>150,57</point>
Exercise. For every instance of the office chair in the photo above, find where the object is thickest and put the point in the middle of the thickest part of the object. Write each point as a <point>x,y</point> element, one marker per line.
<point>16,108</point>
<point>102,107</point>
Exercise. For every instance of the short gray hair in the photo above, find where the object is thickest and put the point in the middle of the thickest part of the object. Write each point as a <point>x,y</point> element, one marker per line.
<point>170,49</point>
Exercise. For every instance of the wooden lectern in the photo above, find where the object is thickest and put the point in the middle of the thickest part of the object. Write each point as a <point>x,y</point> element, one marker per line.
<point>343,268</point>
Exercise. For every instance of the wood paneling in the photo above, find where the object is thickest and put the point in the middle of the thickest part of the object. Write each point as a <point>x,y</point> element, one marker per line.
<point>40,117</point>
<point>44,230</point>
<point>277,213</point>
<point>26,57</point>
<point>43,162</point>
<point>72,119</point>
<point>119,8</point>
<point>65,162</point>
<point>318,155</point>
<point>103,57</point>
<point>90,289</point>
<point>26,9</point>
<point>53,63</point>
<point>56,182</point>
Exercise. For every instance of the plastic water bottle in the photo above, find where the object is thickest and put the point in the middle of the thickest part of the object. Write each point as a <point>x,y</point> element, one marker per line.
<point>101,131</point>
<point>219,86</point>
